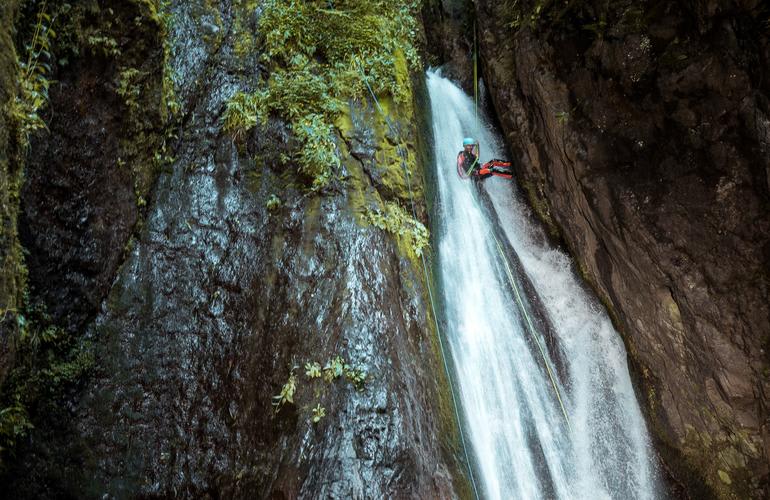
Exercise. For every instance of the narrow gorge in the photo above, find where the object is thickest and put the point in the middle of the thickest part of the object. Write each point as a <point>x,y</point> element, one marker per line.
<point>238,261</point>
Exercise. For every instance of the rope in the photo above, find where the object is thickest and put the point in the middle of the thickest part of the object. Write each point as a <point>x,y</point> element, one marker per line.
<point>430,295</point>
<point>468,173</point>
<point>475,78</point>
<point>531,328</point>
<point>512,281</point>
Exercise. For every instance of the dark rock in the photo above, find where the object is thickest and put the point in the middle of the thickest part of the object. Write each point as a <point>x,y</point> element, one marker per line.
<point>647,144</point>
<point>91,168</point>
<point>220,299</point>
<point>449,38</point>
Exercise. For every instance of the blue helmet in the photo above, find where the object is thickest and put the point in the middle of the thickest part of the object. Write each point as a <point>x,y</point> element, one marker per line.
<point>468,141</point>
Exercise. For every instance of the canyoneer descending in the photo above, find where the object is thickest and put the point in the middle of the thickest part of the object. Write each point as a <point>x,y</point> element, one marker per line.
<point>468,163</point>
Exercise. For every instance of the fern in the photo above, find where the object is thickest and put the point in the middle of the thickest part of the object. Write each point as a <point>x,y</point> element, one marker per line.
<point>395,220</point>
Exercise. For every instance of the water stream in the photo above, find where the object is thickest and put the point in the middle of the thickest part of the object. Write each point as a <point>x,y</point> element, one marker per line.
<point>523,443</point>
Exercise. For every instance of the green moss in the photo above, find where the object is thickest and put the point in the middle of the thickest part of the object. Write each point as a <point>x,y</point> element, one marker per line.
<point>361,193</point>
<point>719,462</point>
<point>244,34</point>
<point>23,92</point>
<point>318,58</point>
<point>11,268</point>
<point>411,234</point>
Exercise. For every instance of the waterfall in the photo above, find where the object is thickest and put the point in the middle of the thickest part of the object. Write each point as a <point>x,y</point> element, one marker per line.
<point>523,443</point>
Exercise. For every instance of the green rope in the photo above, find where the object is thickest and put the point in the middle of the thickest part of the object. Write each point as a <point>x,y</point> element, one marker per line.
<point>430,295</point>
<point>475,162</point>
<point>531,329</point>
<point>475,77</point>
<point>515,288</point>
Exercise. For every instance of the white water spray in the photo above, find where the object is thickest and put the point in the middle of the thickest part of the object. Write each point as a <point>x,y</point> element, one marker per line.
<point>522,444</point>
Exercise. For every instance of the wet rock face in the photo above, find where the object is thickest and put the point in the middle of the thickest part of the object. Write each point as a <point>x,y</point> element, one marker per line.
<point>80,199</point>
<point>647,138</point>
<point>216,304</point>
<point>221,299</point>
<point>446,24</point>
<point>78,216</point>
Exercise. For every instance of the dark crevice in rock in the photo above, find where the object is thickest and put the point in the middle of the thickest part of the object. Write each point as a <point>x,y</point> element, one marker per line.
<point>79,201</point>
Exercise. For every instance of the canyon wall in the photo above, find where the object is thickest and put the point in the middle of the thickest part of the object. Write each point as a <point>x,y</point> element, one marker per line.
<point>641,133</point>
<point>243,335</point>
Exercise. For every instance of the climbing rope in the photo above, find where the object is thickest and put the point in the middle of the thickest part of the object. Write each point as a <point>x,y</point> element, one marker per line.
<point>430,293</point>
<point>475,162</point>
<point>512,281</point>
<point>475,78</point>
<point>531,327</point>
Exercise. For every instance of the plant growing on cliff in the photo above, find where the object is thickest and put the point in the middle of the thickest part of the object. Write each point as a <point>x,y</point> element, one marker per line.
<point>395,220</point>
<point>128,88</point>
<point>337,367</point>
<point>273,202</point>
<point>33,79</point>
<point>14,423</point>
<point>318,55</point>
<point>356,376</point>
<point>334,368</point>
<point>312,370</point>
<point>53,361</point>
<point>242,113</point>
<point>287,392</point>
<point>319,412</point>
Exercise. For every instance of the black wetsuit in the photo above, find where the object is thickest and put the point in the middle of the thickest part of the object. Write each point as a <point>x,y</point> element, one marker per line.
<point>469,162</point>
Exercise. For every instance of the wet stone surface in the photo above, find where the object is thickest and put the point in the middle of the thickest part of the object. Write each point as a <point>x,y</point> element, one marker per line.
<point>647,147</point>
<point>219,299</point>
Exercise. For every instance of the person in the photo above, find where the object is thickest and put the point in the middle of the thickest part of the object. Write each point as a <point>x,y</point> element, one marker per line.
<point>468,163</point>
<point>468,158</point>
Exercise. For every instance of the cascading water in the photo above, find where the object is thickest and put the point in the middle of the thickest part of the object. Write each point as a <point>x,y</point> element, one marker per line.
<point>524,443</point>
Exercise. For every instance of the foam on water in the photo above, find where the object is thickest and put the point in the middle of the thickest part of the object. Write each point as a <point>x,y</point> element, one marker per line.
<point>521,443</point>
